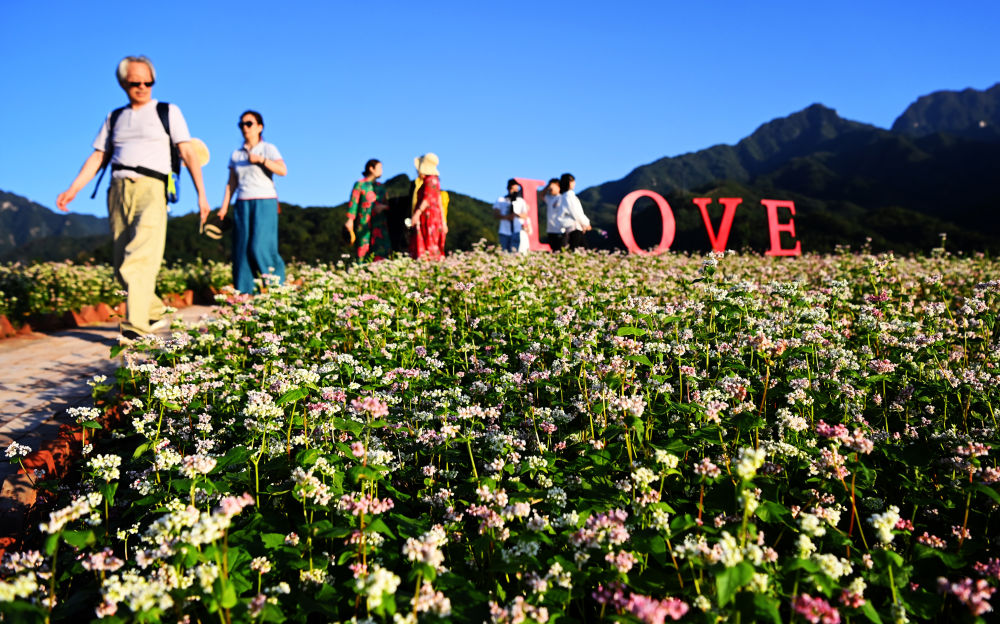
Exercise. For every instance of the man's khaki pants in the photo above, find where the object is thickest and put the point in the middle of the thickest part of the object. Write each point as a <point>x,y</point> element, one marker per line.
<point>137,209</point>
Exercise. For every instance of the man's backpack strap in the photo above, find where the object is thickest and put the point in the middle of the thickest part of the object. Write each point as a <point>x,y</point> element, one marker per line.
<point>174,179</point>
<point>163,110</point>
<point>108,147</point>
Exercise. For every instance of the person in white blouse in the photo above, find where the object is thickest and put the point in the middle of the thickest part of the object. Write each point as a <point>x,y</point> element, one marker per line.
<point>550,195</point>
<point>512,211</point>
<point>255,232</point>
<point>571,223</point>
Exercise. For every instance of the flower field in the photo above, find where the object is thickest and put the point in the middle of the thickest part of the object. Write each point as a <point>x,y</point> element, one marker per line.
<point>56,287</point>
<point>554,437</point>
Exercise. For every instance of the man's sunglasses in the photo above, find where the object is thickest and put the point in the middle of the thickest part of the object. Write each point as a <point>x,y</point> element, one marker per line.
<point>133,85</point>
<point>246,124</point>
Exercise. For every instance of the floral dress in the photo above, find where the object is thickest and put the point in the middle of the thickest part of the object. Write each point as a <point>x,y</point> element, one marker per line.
<point>370,229</point>
<point>427,237</point>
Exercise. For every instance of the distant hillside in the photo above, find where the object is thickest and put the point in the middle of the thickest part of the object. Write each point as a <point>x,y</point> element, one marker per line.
<point>772,144</point>
<point>850,182</point>
<point>30,231</point>
<point>968,113</point>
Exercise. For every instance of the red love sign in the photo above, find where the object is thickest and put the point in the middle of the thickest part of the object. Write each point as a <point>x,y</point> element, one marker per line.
<point>717,238</point>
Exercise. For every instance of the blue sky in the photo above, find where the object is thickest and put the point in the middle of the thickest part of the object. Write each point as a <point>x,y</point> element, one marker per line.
<point>528,89</point>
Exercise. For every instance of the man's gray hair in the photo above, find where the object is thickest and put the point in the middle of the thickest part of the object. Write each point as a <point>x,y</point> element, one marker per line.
<point>123,68</point>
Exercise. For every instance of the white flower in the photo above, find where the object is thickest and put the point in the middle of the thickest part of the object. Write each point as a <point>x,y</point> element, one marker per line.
<point>643,476</point>
<point>811,525</point>
<point>833,566</point>
<point>378,583</point>
<point>17,450</point>
<point>749,461</point>
<point>806,546</point>
<point>668,460</point>
<point>20,586</point>
<point>105,467</point>
<point>884,523</point>
<point>194,465</point>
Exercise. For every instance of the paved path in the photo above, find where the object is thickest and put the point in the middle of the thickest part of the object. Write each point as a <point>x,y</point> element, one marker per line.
<point>41,375</point>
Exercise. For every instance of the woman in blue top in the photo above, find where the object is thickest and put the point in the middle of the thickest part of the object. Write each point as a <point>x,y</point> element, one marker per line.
<point>255,235</point>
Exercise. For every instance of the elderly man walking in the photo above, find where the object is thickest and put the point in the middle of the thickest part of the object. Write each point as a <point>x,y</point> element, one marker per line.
<point>139,153</point>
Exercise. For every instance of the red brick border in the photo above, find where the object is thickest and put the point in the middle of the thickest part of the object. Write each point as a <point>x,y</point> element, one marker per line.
<point>57,457</point>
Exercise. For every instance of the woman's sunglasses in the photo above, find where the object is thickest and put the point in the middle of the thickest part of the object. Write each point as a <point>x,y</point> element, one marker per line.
<point>246,124</point>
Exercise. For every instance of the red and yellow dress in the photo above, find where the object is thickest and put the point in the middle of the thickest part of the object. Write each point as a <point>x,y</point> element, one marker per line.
<point>427,236</point>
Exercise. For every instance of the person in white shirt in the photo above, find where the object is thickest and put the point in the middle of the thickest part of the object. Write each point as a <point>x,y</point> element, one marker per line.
<point>571,223</point>
<point>134,141</point>
<point>512,211</point>
<point>252,168</point>
<point>550,195</point>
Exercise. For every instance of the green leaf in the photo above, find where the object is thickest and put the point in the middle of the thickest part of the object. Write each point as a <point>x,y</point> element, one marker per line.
<point>142,448</point>
<point>226,593</point>
<point>109,490</point>
<point>292,395</point>
<point>924,604</point>
<point>870,612</point>
<point>51,543</point>
<point>357,473</point>
<point>728,582</point>
<point>641,359</point>
<point>349,425</point>
<point>237,455</point>
<point>886,558</point>
<point>654,545</point>
<point>272,540</point>
<point>92,424</point>
<point>987,490</point>
<point>78,539</point>
<point>272,613</point>
<point>307,457</point>
<point>770,511</point>
<point>802,564</point>
<point>950,559</point>
<point>767,607</point>
<point>630,331</point>
<point>379,526</point>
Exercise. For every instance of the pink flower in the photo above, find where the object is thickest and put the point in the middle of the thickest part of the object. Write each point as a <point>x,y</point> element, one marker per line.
<point>707,468</point>
<point>851,600</point>
<point>816,610</point>
<point>653,611</point>
<point>990,568</point>
<point>881,367</point>
<point>975,595</point>
<point>623,561</point>
<point>373,406</point>
<point>257,605</point>
<point>106,609</point>
<point>613,595</point>
<point>232,505</point>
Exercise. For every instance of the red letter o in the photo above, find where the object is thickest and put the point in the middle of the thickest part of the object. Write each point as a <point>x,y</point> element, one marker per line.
<point>625,222</point>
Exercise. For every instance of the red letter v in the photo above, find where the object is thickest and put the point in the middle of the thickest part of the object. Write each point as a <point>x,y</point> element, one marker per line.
<point>730,203</point>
